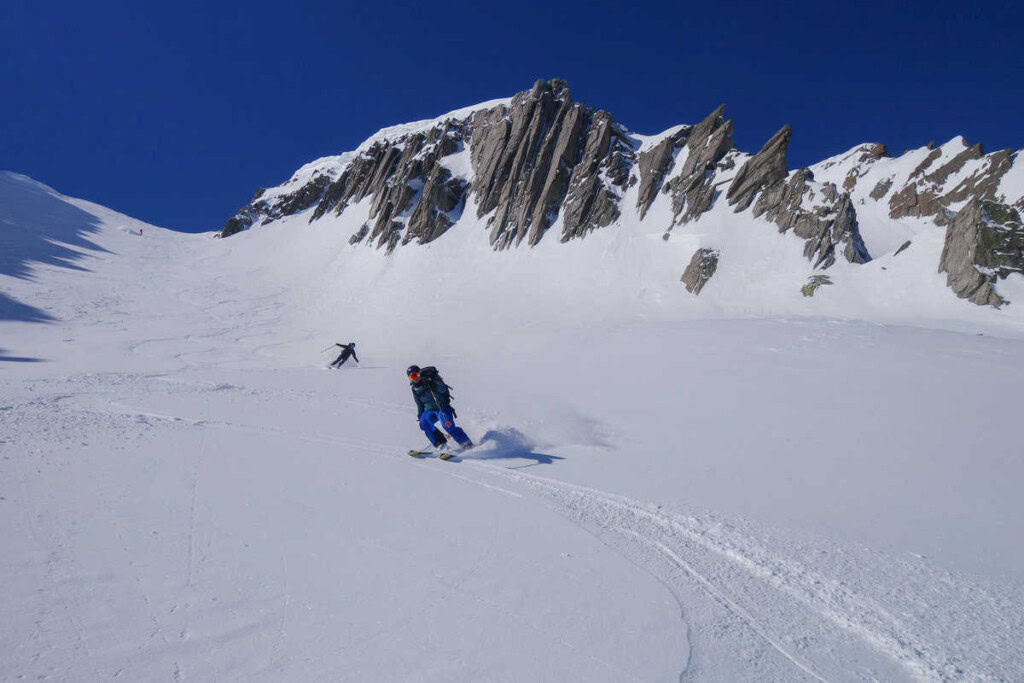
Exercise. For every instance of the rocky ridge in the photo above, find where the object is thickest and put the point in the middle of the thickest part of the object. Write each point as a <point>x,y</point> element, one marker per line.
<point>543,155</point>
<point>540,160</point>
<point>930,182</point>
<point>536,158</point>
<point>984,244</point>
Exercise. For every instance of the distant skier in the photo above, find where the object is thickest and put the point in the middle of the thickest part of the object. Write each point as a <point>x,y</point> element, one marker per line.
<point>434,403</point>
<point>346,351</point>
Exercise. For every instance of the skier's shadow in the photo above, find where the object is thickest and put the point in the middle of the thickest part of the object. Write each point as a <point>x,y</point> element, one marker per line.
<point>508,444</point>
<point>18,359</point>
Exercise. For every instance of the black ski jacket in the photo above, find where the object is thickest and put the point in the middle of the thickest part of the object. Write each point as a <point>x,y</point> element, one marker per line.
<point>347,350</point>
<point>431,393</point>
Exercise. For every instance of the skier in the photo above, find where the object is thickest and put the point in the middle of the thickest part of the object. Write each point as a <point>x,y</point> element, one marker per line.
<point>346,351</point>
<point>434,403</point>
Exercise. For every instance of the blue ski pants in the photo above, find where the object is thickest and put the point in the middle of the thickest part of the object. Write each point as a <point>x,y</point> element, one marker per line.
<point>429,417</point>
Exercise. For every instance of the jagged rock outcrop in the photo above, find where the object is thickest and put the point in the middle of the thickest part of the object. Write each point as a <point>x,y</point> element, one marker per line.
<point>764,169</point>
<point>359,234</point>
<point>813,282</point>
<point>540,160</point>
<point>283,205</point>
<point>246,216</point>
<point>693,190</point>
<point>826,226</point>
<point>920,197</point>
<point>543,150</point>
<point>412,193</point>
<point>540,157</point>
<point>868,154</point>
<point>654,164</point>
<point>984,244</point>
<point>598,179</point>
<point>927,191</point>
<point>939,178</point>
<point>702,266</point>
<point>439,206</point>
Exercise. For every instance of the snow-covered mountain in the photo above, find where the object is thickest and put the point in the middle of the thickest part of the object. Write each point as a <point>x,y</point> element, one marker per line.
<point>748,484</point>
<point>520,169</point>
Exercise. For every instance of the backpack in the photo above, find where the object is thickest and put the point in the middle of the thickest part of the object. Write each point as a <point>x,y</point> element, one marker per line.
<point>431,374</point>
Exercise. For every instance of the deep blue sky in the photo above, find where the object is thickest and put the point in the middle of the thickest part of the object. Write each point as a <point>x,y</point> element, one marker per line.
<point>175,112</point>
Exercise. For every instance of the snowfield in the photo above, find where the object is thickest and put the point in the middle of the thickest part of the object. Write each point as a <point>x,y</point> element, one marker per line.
<point>743,486</point>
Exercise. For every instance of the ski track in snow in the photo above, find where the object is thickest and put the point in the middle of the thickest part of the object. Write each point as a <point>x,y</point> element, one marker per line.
<point>676,537</point>
<point>715,556</point>
<point>733,568</point>
<point>750,599</point>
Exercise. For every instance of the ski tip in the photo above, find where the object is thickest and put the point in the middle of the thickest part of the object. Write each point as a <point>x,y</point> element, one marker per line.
<point>426,454</point>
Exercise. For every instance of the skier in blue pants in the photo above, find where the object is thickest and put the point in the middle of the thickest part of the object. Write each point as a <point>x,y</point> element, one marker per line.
<point>434,404</point>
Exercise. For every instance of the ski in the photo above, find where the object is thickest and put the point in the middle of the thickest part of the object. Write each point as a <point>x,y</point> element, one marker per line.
<point>443,455</point>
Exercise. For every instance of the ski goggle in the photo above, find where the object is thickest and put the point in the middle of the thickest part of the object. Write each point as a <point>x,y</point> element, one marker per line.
<point>414,376</point>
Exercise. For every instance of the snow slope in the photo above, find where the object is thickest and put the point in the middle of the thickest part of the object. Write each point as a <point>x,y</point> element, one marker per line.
<point>666,488</point>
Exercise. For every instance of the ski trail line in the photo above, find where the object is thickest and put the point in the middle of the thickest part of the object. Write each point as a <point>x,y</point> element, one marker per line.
<point>722,599</point>
<point>824,596</point>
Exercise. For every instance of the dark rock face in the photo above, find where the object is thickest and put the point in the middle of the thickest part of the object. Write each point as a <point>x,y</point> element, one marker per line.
<point>654,164</point>
<point>827,227</point>
<point>413,195</point>
<point>520,159</point>
<point>984,243</point>
<point>439,206</point>
<point>881,189</point>
<point>412,192</point>
<point>597,181</point>
<point>542,154</point>
<point>285,205</point>
<point>693,190</point>
<point>764,169</point>
<point>702,266</point>
<point>246,216</point>
<point>541,157</point>
<point>926,193</point>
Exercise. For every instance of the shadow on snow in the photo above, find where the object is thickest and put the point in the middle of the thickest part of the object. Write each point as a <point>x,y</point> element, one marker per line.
<point>508,444</point>
<point>36,226</point>
<point>4,358</point>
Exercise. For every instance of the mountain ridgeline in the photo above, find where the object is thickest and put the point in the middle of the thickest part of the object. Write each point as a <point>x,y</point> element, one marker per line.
<point>540,162</point>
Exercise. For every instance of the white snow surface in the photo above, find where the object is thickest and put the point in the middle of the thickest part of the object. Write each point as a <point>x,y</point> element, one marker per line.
<point>396,132</point>
<point>1011,187</point>
<point>746,485</point>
